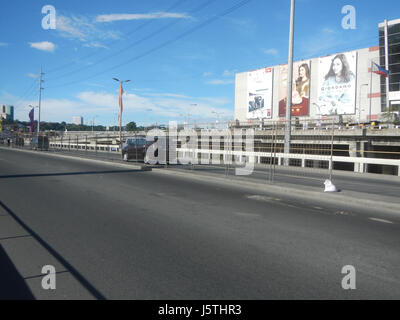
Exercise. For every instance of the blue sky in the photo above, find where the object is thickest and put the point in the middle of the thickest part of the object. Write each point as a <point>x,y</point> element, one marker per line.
<point>180,60</point>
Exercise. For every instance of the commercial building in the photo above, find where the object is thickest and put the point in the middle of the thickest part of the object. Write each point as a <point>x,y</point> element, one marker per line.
<point>77,120</point>
<point>342,84</point>
<point>391,50</point>
<point>7,112</point>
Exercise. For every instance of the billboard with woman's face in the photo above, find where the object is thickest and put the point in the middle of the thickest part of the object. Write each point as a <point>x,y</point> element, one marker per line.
<point>260,94</point>
<point>300,91</point>
<point>337,84</point>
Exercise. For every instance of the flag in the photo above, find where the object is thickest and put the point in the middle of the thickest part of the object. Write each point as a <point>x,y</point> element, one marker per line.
<point>31,118</point>
<point>121,92</point>
<point>381,71</point>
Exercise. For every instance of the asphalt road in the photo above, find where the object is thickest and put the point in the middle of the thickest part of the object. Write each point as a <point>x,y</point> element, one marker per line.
<point>374,184</point>
<point>124,234</point>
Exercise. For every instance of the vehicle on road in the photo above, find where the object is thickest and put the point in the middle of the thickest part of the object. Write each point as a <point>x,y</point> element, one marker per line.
<point>40,143</point>
<point>135,148</point>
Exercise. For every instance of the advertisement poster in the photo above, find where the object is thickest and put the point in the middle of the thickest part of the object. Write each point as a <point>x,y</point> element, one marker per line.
<point>260,94</point>
<point>337,84</point>
<point>300,92</point>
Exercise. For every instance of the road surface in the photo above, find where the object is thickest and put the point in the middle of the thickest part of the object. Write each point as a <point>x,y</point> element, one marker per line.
<point>113,233</point>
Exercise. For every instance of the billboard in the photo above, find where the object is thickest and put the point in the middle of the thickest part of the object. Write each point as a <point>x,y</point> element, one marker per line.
<point>259,93</point>
<point>337,84</point>
<point>300,92</point>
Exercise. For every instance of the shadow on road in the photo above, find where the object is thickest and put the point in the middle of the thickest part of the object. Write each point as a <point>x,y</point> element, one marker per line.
<point>66,174</point>
<point>7,263</point>
<point>12,284</point>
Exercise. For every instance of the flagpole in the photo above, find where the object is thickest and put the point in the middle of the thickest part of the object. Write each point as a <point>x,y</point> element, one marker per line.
<point>121,108</point>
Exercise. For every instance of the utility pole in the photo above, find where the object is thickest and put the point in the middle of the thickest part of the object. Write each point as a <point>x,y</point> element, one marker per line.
<point>288,125</point>
<point>40,95</point>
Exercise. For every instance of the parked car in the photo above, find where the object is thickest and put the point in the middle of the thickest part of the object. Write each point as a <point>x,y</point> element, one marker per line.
<point>135,148</point>
<point>40,143</point>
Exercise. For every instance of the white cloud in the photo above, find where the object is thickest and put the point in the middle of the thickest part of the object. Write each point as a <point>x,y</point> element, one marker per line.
<point>166,106</point>
<point>33,76</point>
<point>217,82</point>
<point>272,52</point>
<point>83,29</point>
<point>3,44</point>
<point>43,46</point>
<point>228,73</point>
<point>137,16</point>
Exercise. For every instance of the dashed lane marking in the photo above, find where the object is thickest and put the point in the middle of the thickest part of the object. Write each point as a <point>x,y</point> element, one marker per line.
<point>381,220</point>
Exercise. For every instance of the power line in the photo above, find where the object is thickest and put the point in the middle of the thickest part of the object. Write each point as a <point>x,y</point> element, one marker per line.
<point>151,35</point>
<point>143,25</point>
<point>164,44</point>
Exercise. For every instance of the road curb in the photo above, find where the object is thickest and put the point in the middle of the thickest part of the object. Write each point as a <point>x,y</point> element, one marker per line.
<point>114,164</point>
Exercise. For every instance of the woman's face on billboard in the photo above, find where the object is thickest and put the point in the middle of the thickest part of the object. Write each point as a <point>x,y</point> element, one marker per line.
<point>337,67</point>
<point>302,72</point>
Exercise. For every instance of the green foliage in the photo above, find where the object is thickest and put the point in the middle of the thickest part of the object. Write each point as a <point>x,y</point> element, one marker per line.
<point>131,126</point>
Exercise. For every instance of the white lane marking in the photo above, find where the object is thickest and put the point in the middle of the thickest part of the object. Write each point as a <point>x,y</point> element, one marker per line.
<point>381,220</point>
<point>260,198</point>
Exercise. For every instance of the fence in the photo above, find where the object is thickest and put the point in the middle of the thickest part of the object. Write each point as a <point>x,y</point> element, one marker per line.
<point>317,146</point>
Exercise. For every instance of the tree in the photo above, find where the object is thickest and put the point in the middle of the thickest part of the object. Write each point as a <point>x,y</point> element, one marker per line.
<point>131,126</point>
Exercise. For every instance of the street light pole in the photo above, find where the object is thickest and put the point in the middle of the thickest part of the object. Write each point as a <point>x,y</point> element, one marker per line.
<point>288,125</point>
<point>194,105</point>
<point>359,103</point>
<point>40,96</point>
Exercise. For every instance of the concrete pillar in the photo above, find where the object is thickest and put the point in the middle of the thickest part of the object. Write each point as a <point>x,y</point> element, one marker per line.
<point>353,149</point>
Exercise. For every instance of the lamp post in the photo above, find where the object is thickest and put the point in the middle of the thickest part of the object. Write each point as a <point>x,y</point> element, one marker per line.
<point>288,125</point>
<point>192,106</point>
<point>218,115</point>
<point>121,91</point>
<point>359,103</point>
<point>93,123</point>
<point>149,110</point>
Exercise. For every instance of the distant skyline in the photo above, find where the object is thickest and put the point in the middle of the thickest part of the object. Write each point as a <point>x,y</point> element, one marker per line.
<point>180,55</point>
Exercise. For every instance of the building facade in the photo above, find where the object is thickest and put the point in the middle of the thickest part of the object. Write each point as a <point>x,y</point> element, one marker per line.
<point>77,120</point>
<point>392,64</point>
<point>342,84</point>
<point>7,112</point>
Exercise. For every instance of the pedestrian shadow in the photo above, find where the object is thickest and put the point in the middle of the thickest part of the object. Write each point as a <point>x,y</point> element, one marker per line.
<point>12,284</point>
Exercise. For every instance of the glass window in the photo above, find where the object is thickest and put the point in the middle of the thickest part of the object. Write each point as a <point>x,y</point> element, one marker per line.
<point>394,29</point>
<point>394,86</point>
<point>394,58</point>
<point>394,38</point>
<point>395,68</point>
<point>395,78</point>
<point>394,49</point>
